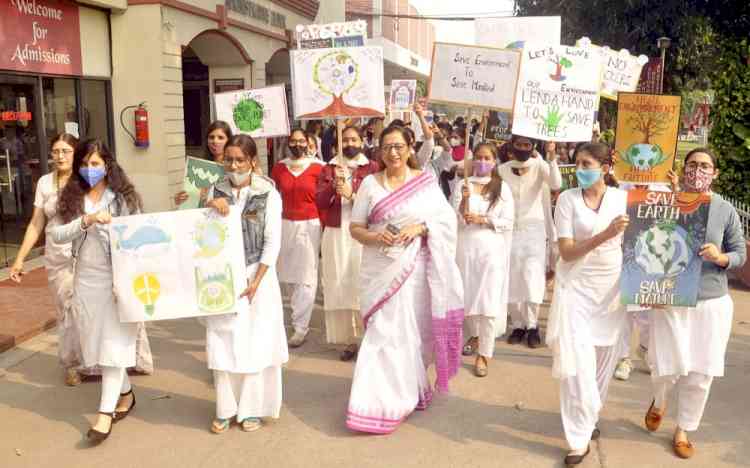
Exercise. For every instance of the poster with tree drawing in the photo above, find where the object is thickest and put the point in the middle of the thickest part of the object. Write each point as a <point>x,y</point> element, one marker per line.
<point>177,264</point>
<point>260,113</point>
<point>661,264</point>
<point>558,93</point>
<point>646,138</point>
<point>342,82</point>
<point>199,175</point>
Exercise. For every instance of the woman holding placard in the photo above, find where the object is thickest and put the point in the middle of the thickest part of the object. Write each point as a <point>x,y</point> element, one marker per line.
<point>296,179</point>
<point>586,319</point>
<point>217,135</point>
<point>246,350</point>
<point>530,179</point>
<point>688,345</point>
<point>97,191</point>
<point>484,205</point>
<point>411,292</point>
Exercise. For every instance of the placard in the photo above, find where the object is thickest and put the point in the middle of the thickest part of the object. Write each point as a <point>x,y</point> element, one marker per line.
<point>514,32</point>
<point>569,179</point>
<point>260,113</point>
<point>646,137</point>
<point>319,36</point>
<point>650,81</point>
<point>661,265</point>
<point>474,76</point>
<point>199,174</point>
<point>330,83</point>
<point>621,71</point>
<point>558,93</point>
<point>498,126</point>
<point>403,94</point>
<point>178,264</point>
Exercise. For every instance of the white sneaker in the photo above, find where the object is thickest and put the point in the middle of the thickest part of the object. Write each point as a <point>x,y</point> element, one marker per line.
<point>297,339</point>
<point>623,370</point>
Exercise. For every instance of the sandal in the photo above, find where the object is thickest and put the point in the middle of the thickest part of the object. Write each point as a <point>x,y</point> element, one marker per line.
<point>96,437</point>
<point>120,415</point>
<point>653,419</point>
<point>471,346</point>
<point>251,424</point>
<point>72,377</point>
<point>349,353</point>
<point>220,426</point>
<point>573,460</point>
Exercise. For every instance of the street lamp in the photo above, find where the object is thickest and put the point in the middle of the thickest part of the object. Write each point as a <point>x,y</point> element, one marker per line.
<point>663,44</point>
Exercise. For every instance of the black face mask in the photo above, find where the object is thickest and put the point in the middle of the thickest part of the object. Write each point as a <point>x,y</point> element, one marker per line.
<point>522,155</point>
<point>351,151</point>
<point>297,151</point>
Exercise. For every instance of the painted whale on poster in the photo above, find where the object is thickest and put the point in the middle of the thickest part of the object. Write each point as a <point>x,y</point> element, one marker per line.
<point>144,235</point>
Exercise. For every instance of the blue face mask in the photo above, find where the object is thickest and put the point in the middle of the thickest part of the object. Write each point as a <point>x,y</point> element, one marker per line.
<point>588,177</point>
<point>92,175</point>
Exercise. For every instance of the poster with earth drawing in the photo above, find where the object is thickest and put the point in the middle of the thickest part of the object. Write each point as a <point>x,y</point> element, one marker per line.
<point>660,262</point>
<point>199,175</point>
<point>260,113</point>
<point>177,264</point>
<point>646,138</point>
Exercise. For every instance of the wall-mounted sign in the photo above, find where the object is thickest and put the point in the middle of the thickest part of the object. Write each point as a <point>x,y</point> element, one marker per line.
<point>12,116</point>
<point>42,36</point>
<point>234,84</point>
<point>257,12</point>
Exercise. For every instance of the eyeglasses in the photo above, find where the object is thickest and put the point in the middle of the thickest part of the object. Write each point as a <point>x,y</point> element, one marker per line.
<point>64,152</point>
<point>399,147</point>
<point>705,166</point>
<point>229,162</point>
<point>298,142</point>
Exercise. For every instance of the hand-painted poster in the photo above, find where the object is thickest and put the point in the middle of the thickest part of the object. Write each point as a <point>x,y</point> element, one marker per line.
<point>330,83</point>
<point>620,70</point>
<point>646,138</point>
<point>558,93</point>
<point>260,113</point>
<point>403,94</point>
<point>497,127</point>
<point>177,264</point>
<point>199,174</point>
<point>661,264</point>
<point>568,173</point>
<point>514,32</point>
<point>330,35</point>
<point>474,76</point>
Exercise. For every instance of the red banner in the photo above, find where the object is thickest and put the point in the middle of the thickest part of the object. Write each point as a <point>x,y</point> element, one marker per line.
<point>42,36</point>
<point>650,82</point>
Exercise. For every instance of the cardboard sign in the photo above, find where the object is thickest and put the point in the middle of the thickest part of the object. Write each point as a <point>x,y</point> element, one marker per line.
<point>646,137</point>
<point>330,35</point>
<point>474,76</point>
<point>330,83</point>
<point>403,94</point>
<point>199,174</point>
<point>558,93</point>
<point>178,264</point>
<point>620,70</point>
<point>661,264</point>
<point>568,173</point>
<point>650,81</point>
<point>514,32</point>
<point>260,113</point>
<point>498,127</point>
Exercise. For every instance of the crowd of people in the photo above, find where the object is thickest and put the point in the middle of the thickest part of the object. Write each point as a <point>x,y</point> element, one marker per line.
<point>417,244</point>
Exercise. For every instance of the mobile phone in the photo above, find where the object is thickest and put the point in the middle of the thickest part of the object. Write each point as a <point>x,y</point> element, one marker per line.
<point>392,229</point>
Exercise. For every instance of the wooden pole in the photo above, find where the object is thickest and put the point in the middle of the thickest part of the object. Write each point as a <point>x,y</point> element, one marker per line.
<point>483,127</point>
<point>466,155</point>
<point>340,134</point>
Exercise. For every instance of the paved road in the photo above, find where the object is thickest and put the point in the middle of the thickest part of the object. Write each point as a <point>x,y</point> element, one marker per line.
<point>510,418</point>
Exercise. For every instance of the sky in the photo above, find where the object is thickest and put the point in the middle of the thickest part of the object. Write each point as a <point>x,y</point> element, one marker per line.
<point>460,32</point>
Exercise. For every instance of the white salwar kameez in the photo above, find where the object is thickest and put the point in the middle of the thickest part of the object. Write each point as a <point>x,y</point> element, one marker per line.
<point>528,255</point>
<point>412,305</point>
<point>483,256</point>
<point>586,320</point>
<point>246,350</point>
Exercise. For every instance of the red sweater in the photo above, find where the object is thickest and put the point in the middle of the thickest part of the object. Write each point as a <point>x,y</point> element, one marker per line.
<point>297,193</point>
<point>329,203</point>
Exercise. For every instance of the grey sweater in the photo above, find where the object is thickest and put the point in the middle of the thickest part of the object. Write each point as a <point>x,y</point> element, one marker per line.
<point>725,231</point>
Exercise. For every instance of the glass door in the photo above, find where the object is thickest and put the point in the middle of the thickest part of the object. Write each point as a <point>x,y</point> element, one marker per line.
<point>21,160</point>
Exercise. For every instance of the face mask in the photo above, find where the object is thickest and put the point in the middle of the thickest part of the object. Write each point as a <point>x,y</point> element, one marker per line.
<point>239,178</point>
<point>522,155</point>
<point>351,151</point>
<point>482,168</point>
<point>588,177</point>
<point>455,142</point>
<point>697,179</point>
<point>297,151</point>
<point>92,175</point>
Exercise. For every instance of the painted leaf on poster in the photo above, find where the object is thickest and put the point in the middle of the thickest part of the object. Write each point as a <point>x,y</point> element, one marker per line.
<point>344,82</point>
<point>646,137</point>
<point>260,113</point>
<point>199,174</point>
<point>558,93</point>
<point>177,264</point>
<point>620,70</point>
<point>661,264</point>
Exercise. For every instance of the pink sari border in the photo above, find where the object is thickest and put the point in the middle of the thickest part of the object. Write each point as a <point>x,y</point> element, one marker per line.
<point>384,206</point>
<point>447,340</point>
<point>373,425</point>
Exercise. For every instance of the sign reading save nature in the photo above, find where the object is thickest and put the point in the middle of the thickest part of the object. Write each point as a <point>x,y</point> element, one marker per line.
<point>646,138</point>
<point>661,264</point>
<point>557,93</point>
<point>260,113</point>
<point>474,76</point>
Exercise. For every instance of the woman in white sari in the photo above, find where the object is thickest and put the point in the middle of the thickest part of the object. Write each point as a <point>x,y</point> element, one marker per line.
<point>411,293</point>
<point>586,320</point>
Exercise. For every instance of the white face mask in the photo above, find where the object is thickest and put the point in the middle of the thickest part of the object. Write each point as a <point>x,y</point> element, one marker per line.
<point>455,142</point>
<point>239,178</point>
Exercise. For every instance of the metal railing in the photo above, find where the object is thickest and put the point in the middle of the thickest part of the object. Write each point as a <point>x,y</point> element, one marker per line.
<point>743,209</point>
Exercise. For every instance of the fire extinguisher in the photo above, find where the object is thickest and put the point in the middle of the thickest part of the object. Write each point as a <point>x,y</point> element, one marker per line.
<point>140,125</point>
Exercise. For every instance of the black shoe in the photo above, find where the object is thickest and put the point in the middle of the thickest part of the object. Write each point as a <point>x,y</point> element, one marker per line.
<point>517,336</point>
<point>120,415</point>
<point>95,437</point>
<point>349,353</point>
<point>596,433</point>
<point>533,339</point>
<point>573,460</point>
